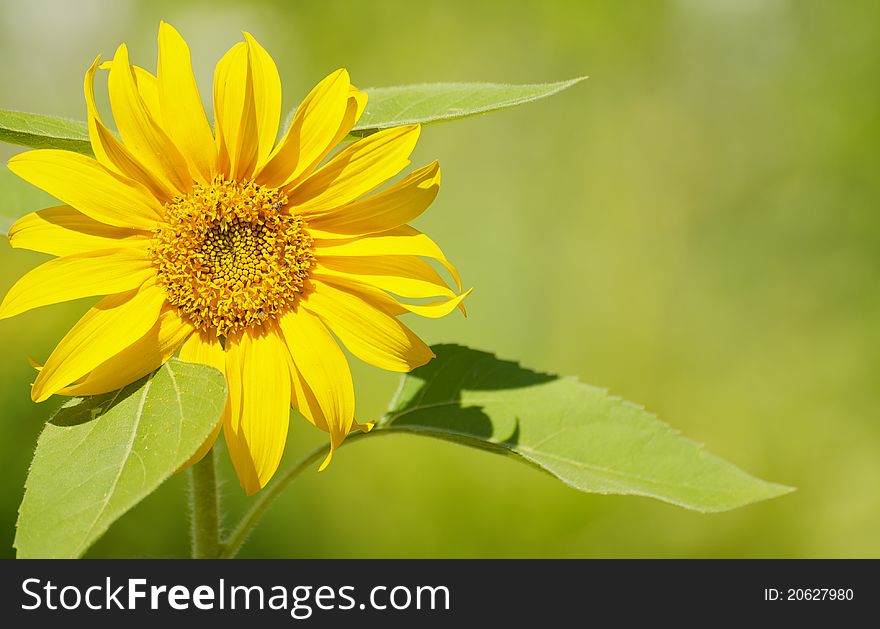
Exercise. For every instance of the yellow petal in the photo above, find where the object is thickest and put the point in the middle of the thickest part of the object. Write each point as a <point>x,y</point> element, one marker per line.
<point>311,133</point>
<point>323,372</point>
<point>235,116</point>
<point>148,88</point>
<point>304,399</point>
<point>367,331</point>
<point>393,207</point>
<point>356,170</point>
<point>393,306</point>
<point>354,107</point>
<point>63,231</point>
<point>110,152</point>
<point>400,241</point>
<point>83,183</point>
<point>103,272</point>
<point>407,276</point>
<point>365,427</point>
<point>182,110</point>
<point>267,96</point>
<point>142,357</point>
<point>259,404</point>
<point>111,325</point>
<point>359,100</point>
<point>140,131</point>
<point>204,349</point>
<point>437,309</point>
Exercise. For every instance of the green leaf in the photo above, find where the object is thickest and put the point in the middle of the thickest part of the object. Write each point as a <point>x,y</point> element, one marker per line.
<point>100,456</point>
<point>576,432</point>
<point>387,107</point>
<point>439,102</point>
<point>44,132</point>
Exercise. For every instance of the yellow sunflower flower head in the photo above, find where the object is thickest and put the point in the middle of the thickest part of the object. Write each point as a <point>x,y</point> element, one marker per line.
<point>241,253</point>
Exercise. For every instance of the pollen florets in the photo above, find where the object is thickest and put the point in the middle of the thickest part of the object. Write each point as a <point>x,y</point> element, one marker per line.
<point>231,256</point>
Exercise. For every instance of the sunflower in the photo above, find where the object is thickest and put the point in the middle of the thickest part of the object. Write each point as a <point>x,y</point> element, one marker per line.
<point>238,252</point>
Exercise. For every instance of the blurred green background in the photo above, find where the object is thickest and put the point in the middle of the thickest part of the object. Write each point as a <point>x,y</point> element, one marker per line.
<point>696,228</point>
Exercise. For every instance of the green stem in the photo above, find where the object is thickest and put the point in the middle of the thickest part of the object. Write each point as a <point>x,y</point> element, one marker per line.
<point>205,508</point>
<point>239,535</point>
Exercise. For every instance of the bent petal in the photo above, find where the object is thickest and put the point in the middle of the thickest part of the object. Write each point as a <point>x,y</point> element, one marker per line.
<point>142,357</point>
<point>110,326</point>
<point>368,331</point>
<point>311,134</point>
<point>111,153</point>
<point>148,87</point>
<point>393,207</point>
<point>357,102</point>
<point>83,183</point>
<point>322,385</point>
<point>395,307</point>
<point>407,276</point>
<point>63,231</point>
<point>400,241</point>
<point>356,170</point>
<point>140,131</point>
<point>182,110</point>
<point>103,272</point>
<point>255,426</point>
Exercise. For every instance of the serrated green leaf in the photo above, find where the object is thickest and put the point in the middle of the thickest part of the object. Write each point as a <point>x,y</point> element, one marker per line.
<point>44,132</point>
<point>99,456</point>
<point>438,102</point>
<point>588,439</point>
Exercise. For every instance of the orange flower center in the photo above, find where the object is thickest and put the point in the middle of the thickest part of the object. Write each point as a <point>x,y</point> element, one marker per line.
<point>229,255</point>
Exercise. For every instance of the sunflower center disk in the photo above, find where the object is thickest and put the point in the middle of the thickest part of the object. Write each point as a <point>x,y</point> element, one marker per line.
<point>230,257</point>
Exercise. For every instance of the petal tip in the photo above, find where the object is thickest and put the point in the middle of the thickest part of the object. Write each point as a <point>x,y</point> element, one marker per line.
<point>250,490</point>
<point>37,393</point>
<point>166,30</point>
<point>461,305</point>
<point>327,460</point>
<point>15,159</point>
